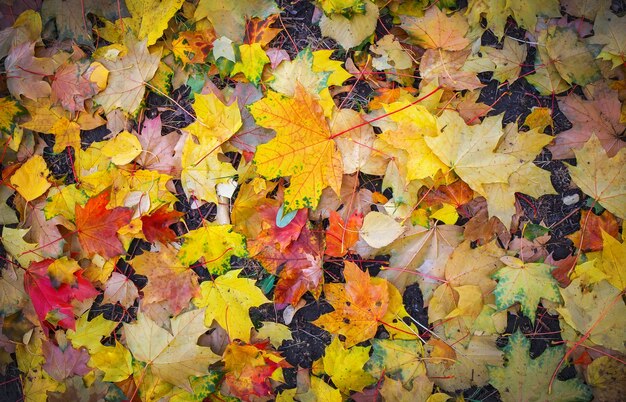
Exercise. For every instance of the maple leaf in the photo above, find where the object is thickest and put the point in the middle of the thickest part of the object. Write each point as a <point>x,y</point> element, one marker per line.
<point>341,236</point>
<point>171,356</point>
<point>413,124</point>
<point>48,118</point>
<point>596,311</point>
<point>526,283</point>
<point>397,359</point>
<point>571,58</point>
<point>272,235</point>
<point>10,109</point>
<point>469,150</point>
<point>229,18</point>
<point>359,306</point>
<point>250,134</point>
<point>127,78</point>
<point>507,61</point>
<point>30,179</point>
<point>228,300</point>
<point>602,375</point>
<point>73,83</point>
<point>345,366</point>
<point>215,122</point>
<point>601,177</point>
<point>260,30</point>
<point>150,18</point>
<point>300,71</point>
<point>216,244</point>
<point>44,232</point>
<point>253,58</point>
<point>607,28</point>
<point>54,304</point>
<point>448,68</point>
<point>391,54</point>
<point>423,250</point>
<point>527,178</point>
<point>471,364</point>
<point>599,117</point>
<point>293,253</point>
<point>523,378</point>
<point>170,283</point>
<point>25,72</point>
<point>357,144</point>
<point>249,369</point>
<point>69,16</point>
<point>97,226</point>
<point>120,289</point>
<point>590,238</point>
<point>156,225</point>
<point>303,147</point>
<point>63,363</point>
<point>436,30</point>
<point>204,168</point>
<point>379,229</point>
<point>159,152</point>
<point>193,47</point>
<point>89,333</point>
<point>350,32</point>
<point>613,254</point>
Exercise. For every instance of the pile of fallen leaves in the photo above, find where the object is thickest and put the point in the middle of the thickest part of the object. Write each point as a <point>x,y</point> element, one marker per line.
<point>194,205</point>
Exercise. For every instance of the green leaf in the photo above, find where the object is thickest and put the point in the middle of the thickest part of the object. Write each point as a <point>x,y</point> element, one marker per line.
<point>398,359</point>
<point>532,231</point>
<point>525,283</point>
<point>526,379</point>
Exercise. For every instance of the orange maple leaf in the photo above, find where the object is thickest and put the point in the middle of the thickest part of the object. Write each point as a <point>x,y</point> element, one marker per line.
<point>359,305</point>
<point>97,226</point>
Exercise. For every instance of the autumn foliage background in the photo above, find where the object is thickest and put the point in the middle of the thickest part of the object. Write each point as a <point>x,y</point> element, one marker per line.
<point>330,200</point>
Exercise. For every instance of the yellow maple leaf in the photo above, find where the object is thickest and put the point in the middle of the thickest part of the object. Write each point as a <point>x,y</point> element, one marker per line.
<point>172,356</point>
<point>115,361</point>
<point>613,257</point>
<point>345,366</point>
<point>601,177</point>
<point>228,300</point>
<point>253,58</point>
<point>48,118</point>
<point>414,124</point>
<point>30,179</point>
<point>203,170</point>
<point>470,150</point>
<point>122,149</point>
<point>22,251</point>
<point>214,120</point>
<point>62,271</point>
<point>150,18</point>
<point>63,202</point>
<point>323,63</point>
<point>216,244</point>
<point>303,147</point>
<point>436,30</point>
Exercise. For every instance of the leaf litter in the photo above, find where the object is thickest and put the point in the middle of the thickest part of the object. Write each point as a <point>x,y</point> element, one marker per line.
<point>310,200</point>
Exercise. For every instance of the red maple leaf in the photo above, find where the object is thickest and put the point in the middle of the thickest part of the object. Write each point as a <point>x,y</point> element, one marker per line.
<point>156,225</point>
<point>97,226</point>
<point>272,235</point>
<point>47,298</point>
